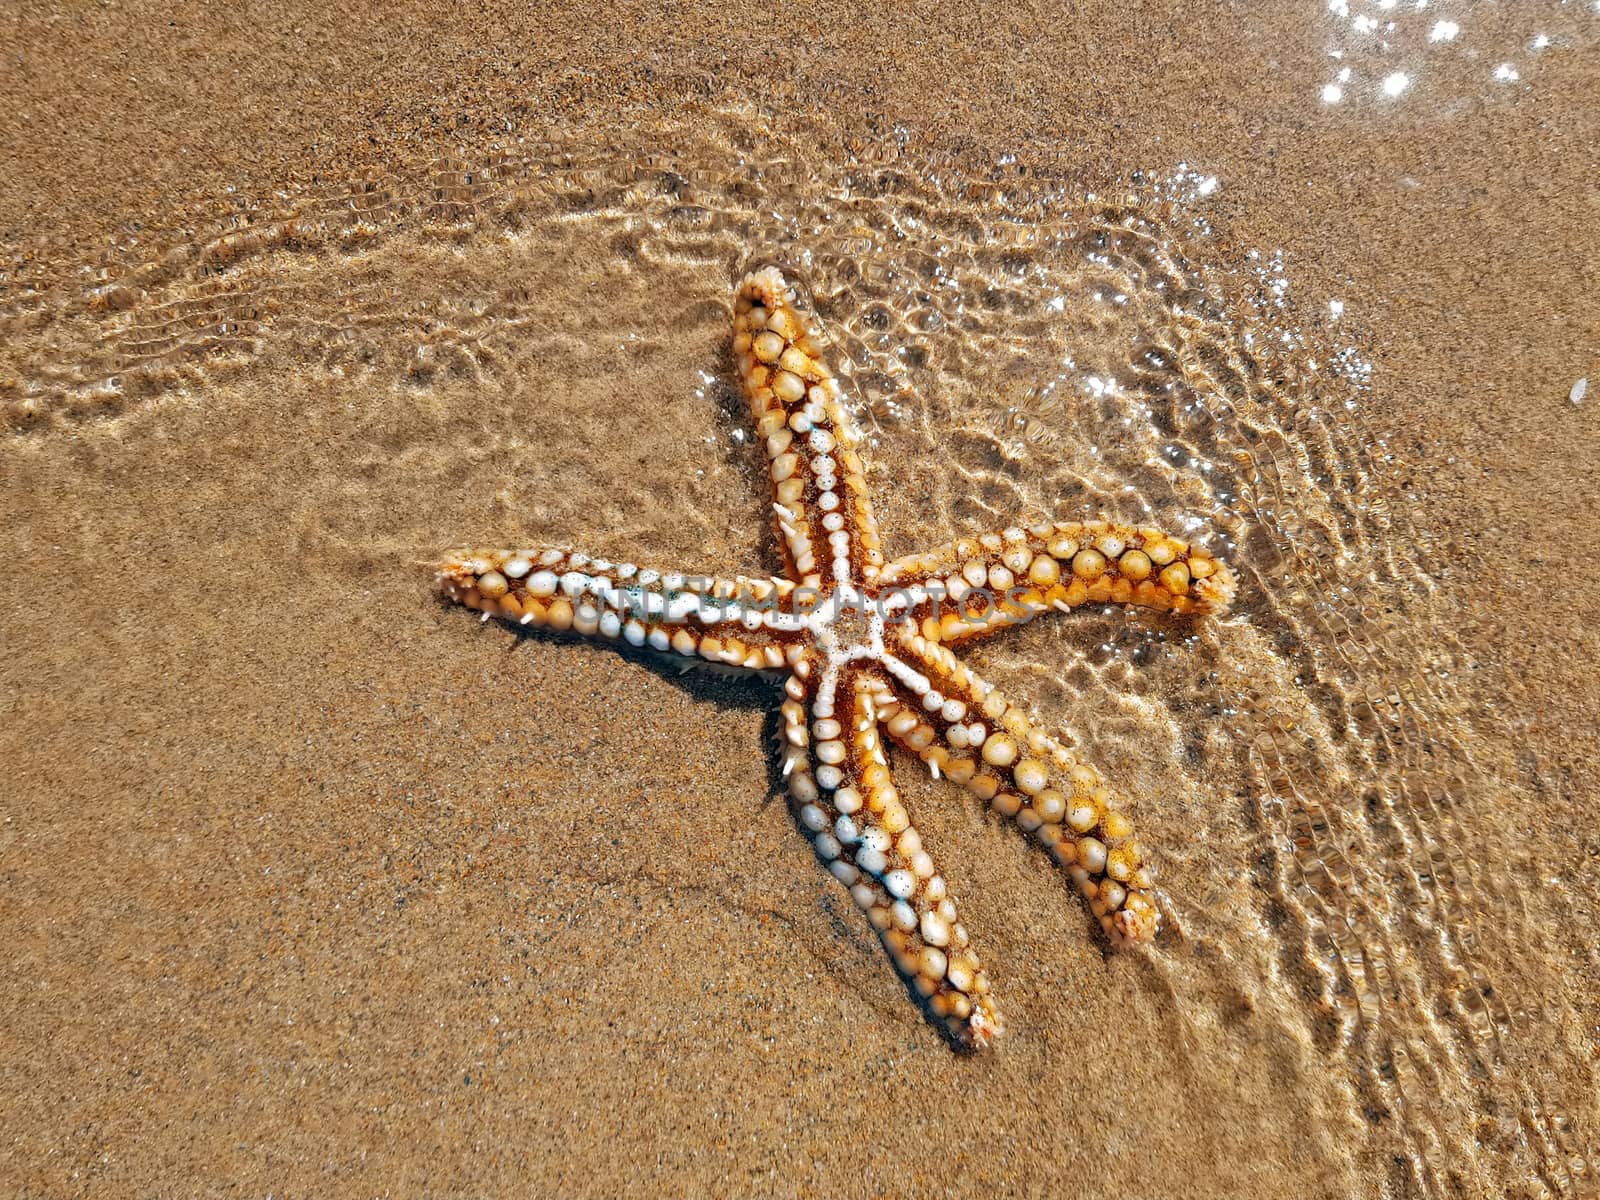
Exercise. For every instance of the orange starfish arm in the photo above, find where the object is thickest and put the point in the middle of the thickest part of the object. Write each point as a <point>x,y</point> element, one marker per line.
<point>978,585</point>
<point>966,730</point>
<point>824,514</point>
<point>845,800</point>
<point>737,622</point>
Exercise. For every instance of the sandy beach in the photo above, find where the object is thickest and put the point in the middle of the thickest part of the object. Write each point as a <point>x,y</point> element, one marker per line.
<point>314,885</point>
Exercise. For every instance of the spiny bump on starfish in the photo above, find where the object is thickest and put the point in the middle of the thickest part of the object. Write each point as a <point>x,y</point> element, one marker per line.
<point>865,648</point>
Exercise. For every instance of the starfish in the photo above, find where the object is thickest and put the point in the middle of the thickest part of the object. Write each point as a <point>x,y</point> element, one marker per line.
<point>864,648</point>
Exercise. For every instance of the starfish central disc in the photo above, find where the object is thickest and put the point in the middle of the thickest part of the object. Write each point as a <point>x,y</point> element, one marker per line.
<point>849,625</point>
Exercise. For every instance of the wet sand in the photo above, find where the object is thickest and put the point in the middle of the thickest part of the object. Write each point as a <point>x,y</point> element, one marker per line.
<point>312,886</point>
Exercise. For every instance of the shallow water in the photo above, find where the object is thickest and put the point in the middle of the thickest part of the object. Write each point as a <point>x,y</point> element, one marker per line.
<point>234,447</point>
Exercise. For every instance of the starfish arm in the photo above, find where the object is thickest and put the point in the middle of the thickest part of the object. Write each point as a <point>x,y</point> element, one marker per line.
<point>738,622</point>
<point>965,729</point>
<point>977,585</point>
<point>820,496</point>
<point>844,799</point>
